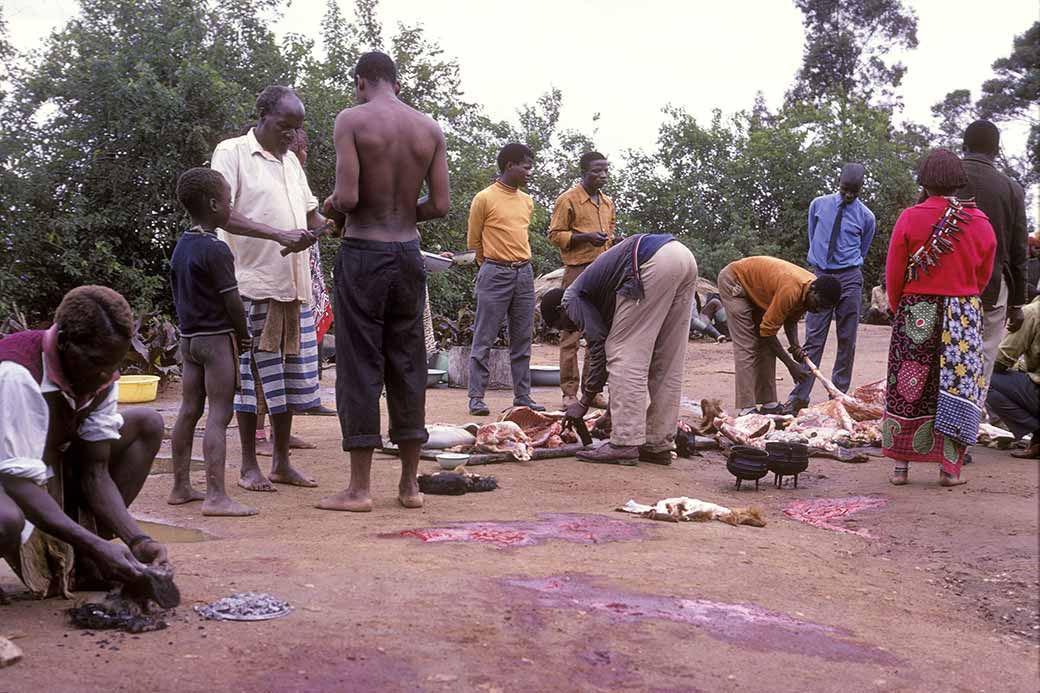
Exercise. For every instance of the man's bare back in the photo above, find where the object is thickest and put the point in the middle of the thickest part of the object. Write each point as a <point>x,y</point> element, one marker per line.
<point>385,151</point>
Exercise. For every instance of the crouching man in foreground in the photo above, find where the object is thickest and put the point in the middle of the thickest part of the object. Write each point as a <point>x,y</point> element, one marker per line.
<point>69,463</point>
<point>633,304</point>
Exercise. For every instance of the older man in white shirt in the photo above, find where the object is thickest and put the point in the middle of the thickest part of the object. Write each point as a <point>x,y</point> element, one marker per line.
<point>274,213</point>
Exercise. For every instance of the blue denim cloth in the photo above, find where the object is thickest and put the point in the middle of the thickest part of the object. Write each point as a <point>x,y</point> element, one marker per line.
<point>856,234</point>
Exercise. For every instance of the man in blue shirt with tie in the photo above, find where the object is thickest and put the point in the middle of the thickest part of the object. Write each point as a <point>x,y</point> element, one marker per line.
<point>841,229</point>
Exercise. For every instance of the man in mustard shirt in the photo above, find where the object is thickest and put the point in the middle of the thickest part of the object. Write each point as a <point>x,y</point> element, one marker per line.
<point>582,225</point>
<point>499,217</point>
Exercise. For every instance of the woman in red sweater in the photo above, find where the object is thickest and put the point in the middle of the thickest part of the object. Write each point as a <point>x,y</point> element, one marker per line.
<point>939,260</point>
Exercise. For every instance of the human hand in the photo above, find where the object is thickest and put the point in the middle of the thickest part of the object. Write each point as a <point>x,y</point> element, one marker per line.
<point>150,551</point>
<point>1015,318</point>
<point>329,211</point>
<point>117,563</point>
<point>447,254</point>
<point>798,374</point>
<point>594,238</point>
<point>245,344</point>
<point>295,240</point>
<point>797,352</point>
<point>576,410</point>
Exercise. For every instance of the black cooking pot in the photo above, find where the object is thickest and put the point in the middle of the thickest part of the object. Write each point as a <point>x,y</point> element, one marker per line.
<point>747,463</point>
<point>787,459</point>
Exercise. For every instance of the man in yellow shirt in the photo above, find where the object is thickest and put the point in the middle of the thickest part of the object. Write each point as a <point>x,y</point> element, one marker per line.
<point>582,225</point>
<point>499,217</point>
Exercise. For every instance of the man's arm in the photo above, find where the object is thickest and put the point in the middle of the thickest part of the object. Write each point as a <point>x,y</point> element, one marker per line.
<point>869,230</point>
<point>438,202</point>
<point>42,510</point>
<point>225,162</point>
<point>812,222</point>
<point>475,232</point>
<point>237,314</point>
<point>344,197</point>
<point>1018,252</point>
<point>895,265</point>
<point>560,223</point>
<point>107,503</point>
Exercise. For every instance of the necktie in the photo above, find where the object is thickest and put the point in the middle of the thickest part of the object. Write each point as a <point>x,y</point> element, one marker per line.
<point>832,247</point>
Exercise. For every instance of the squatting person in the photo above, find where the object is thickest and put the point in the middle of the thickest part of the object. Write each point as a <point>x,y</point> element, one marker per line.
<point>70,462</point>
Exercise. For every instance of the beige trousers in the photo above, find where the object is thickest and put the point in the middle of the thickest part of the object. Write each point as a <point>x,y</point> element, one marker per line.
<point>753,363</point>
<point>646,350</point>
<point>570,375</point>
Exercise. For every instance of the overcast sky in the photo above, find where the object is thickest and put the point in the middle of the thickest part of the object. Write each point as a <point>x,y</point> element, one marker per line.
<point>626,60</point>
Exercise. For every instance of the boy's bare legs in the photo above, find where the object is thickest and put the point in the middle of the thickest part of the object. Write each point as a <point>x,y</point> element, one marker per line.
<point>250,477</point>
<point>357,496</point>
<point>193,399</point>
<point>220,379</point>
<point>281,471</point>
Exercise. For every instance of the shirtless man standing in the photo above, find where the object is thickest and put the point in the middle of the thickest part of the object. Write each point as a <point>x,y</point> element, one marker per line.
<point>385,151</point>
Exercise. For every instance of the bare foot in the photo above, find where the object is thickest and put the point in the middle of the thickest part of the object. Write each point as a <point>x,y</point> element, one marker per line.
<point>254,480</point>
<point>291,477</point>
<point>408,493</point>
<point>950,480</point>
<point>412,500</point>
<point>899,477</point>
<point>348,501</point>
<point>182,496</point>
<point>264,447</point>
<point>300,444</point>
<point>225,507</point>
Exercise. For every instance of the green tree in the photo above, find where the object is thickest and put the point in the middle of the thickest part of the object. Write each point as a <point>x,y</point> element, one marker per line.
<point>848,45</point>
<point>122,100</point>
<point>1015,92</point>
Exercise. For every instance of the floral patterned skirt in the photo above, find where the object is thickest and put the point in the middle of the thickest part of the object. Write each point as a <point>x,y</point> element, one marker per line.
<point>933,402</point>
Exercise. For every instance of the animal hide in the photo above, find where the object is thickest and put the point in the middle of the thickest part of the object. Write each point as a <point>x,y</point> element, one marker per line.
<point>683,509</point>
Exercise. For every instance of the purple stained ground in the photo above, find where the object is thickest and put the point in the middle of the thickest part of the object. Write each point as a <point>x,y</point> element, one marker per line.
<point>572,527</point>
<point>746,625</point>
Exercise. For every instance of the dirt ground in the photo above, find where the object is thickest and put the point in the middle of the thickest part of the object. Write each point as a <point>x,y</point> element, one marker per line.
<point>943,594</point>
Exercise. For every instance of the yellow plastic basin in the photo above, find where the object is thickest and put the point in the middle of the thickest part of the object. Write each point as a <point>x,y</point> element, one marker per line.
<point>134,389</point>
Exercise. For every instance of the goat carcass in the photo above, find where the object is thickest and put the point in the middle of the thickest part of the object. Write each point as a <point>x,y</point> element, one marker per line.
<point>504,436</point>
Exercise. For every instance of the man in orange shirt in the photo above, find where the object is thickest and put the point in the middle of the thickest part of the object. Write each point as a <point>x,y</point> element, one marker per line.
<point>582,225</point>
<point>761,295</point>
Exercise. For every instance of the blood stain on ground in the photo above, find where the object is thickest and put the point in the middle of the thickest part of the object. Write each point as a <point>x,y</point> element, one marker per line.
<point>746,625</point>
<point>571,527</point>
<point>822,512</point>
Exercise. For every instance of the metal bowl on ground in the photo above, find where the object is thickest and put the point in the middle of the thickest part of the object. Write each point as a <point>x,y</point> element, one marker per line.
<point>451,460</point>
<point>545,376</point>
<point>787,459</point>
<point>434,376</point>
<point>747,464</point>
<point>435,262</point>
